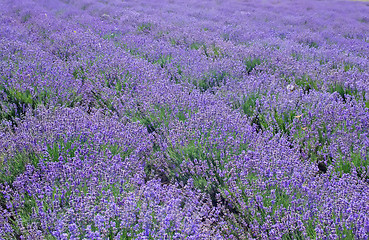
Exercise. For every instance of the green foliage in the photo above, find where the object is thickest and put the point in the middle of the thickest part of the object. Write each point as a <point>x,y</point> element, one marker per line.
<point>226,37</point>
<point>110,36</point>
<point>144,27</point>
<point>15,103</point>
<point>342,90</point>
<point>193,153</point>
<point>323,61</point>
<point>80,73</point>
<point>173,42</point>
<point>317,144</point>
<point>161,34</point>
<point>248,107</point>
<point>217,52</point>
<point>179,70</point>
<point>348,36</point>
<point>358,160</point>
<point>12,166</point>
<point>297,56</point>
<point>211,80</point>
<point>160,116</point>
<point>306,83</point>
<point>103,103</point>
<point>119,80</point>
<point>202,151</point>
<point>163,60</point>
<point>284,121</point>
<point>251,64</point>
<point>275,197</point>
<point>311,44</point>
<point>26,17</point>
<point>196,45</point>
<point>65,148</point>
<point>348,67</point>
<point>249,104</point>
<point>25,212</point>
<point>174,75</point>
<point>323,139</point>
<point>132,51</point>
<point>72,101</point>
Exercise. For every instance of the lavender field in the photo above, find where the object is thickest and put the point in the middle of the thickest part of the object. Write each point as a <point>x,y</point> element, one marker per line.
<point>184,119</point>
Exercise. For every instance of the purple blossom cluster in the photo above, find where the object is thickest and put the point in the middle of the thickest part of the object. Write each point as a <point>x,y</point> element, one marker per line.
<point>184,119</point>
